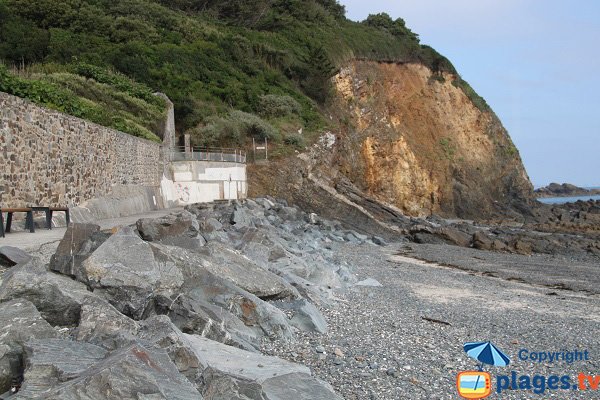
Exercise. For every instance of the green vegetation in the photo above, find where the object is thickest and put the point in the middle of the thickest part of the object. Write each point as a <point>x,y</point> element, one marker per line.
<point>214,59</point>
<point>89,99</point>
<point>476,99</point>
<point>448,148</point>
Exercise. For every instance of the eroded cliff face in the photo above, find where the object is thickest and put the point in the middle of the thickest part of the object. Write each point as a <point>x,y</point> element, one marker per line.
<point>416,141</point>
<point>408,143</point>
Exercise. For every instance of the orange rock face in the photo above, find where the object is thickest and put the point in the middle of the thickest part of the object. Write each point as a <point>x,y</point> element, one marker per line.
<point>417,141</point>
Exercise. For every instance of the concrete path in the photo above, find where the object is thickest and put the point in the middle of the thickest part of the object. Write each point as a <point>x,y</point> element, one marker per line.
<point>32,242</point>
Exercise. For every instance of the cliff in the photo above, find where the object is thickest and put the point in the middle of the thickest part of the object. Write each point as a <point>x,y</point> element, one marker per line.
<point>413,140</point>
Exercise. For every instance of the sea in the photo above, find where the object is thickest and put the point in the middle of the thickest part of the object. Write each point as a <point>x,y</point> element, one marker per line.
<point>563,200</point>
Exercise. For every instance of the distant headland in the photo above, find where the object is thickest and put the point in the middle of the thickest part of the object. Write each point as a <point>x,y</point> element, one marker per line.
<point>564,190</point>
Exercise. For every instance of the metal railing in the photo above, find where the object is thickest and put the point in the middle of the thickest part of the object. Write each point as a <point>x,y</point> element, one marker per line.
<point>180,153</point>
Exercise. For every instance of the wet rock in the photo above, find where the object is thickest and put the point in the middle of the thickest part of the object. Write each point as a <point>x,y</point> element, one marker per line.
<point>176,230</point>
<point>10,256</point>
<point>20,322</point>
<point>79,241</point>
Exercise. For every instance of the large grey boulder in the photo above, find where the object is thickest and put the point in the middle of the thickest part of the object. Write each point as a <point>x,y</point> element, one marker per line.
<point>241,218</point>
<point>192,314</point>
<point>57,297</point>
<point>101,324</point>
<point>304,316</point>
<point>79,241</point>
<point>124,271</point>
<point>138,371</point>
<point>53,361</point>
<point>180,229</point>
<point>246,274</point>
<point>161,332</point>
<point>203,286</point>
<point>231,373</point>
<point>20,321</point>
<point>10,256</point>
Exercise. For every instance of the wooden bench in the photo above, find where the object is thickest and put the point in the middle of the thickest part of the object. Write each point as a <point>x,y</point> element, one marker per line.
<point>50,211</point>
<point>9,215</point>
<point>57,209</point>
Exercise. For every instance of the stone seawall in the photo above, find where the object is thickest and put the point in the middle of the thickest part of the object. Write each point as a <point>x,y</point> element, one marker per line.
<point>49,158</point>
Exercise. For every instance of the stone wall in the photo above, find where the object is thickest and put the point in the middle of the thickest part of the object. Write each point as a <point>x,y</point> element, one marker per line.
<point>49,158</point>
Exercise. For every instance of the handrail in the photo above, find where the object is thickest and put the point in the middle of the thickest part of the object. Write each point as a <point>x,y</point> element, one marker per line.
<point>181,153</point>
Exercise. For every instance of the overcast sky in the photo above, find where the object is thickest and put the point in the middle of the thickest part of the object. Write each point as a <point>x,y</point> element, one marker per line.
<point>536,62</point>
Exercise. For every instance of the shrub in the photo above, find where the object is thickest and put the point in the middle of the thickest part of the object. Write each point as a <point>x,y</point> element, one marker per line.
<point>254,126</point>
<point>296,140</point>
<point>271,105</point>
<point>232,130</point>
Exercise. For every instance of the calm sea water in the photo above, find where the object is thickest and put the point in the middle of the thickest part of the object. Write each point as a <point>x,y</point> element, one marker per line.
<point>562,200</point>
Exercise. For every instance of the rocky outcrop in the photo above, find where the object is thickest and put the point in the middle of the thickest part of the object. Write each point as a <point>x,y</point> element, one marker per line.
<point>564,190</point>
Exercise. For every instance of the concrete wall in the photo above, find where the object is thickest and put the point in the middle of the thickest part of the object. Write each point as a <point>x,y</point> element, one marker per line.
<point>49,158</point>
<point>204,181</point>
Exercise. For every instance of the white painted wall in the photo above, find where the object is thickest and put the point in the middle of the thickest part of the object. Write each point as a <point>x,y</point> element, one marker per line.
<point>204,181</point>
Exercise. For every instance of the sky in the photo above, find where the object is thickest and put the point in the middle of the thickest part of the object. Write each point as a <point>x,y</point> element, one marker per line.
<point>537,64</point>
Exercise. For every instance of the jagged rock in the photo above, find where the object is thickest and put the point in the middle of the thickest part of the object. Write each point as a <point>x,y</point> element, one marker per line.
<point>313,218</point>
<point>101,324</point>
<point>201,287</point>
<point>176,230</point>
<point>241,218</point>
<point>57,297</point>
<point>194,315</point>
<point>379,241</point>
<point>160,331</point>
<point>138,371</point>
<point>10,256</point>
<point>265,203</point>
<point>454,236</point>
<point>230,373</point>
<point>481,241</point>
<point>53,361</point>
<point>369,282</point>
<point>209,225</point>
<point>79,241</point>
<point>289,213</point>
<point>306,316</point>
<point>522,247</point>
<point>124,270</point>
<point>20,322</point>
<point>244,273</point>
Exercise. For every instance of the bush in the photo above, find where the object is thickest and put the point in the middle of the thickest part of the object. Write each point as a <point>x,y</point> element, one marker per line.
<point>271,105</point>
<point>232,130</point>
<point>296,140</point>
<point>254,126</point>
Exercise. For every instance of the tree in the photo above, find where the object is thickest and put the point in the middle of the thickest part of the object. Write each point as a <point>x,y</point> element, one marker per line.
<point>396,27</point>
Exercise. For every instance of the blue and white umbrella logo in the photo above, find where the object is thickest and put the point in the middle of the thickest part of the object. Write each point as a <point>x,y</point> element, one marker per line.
<point>486,353</point>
